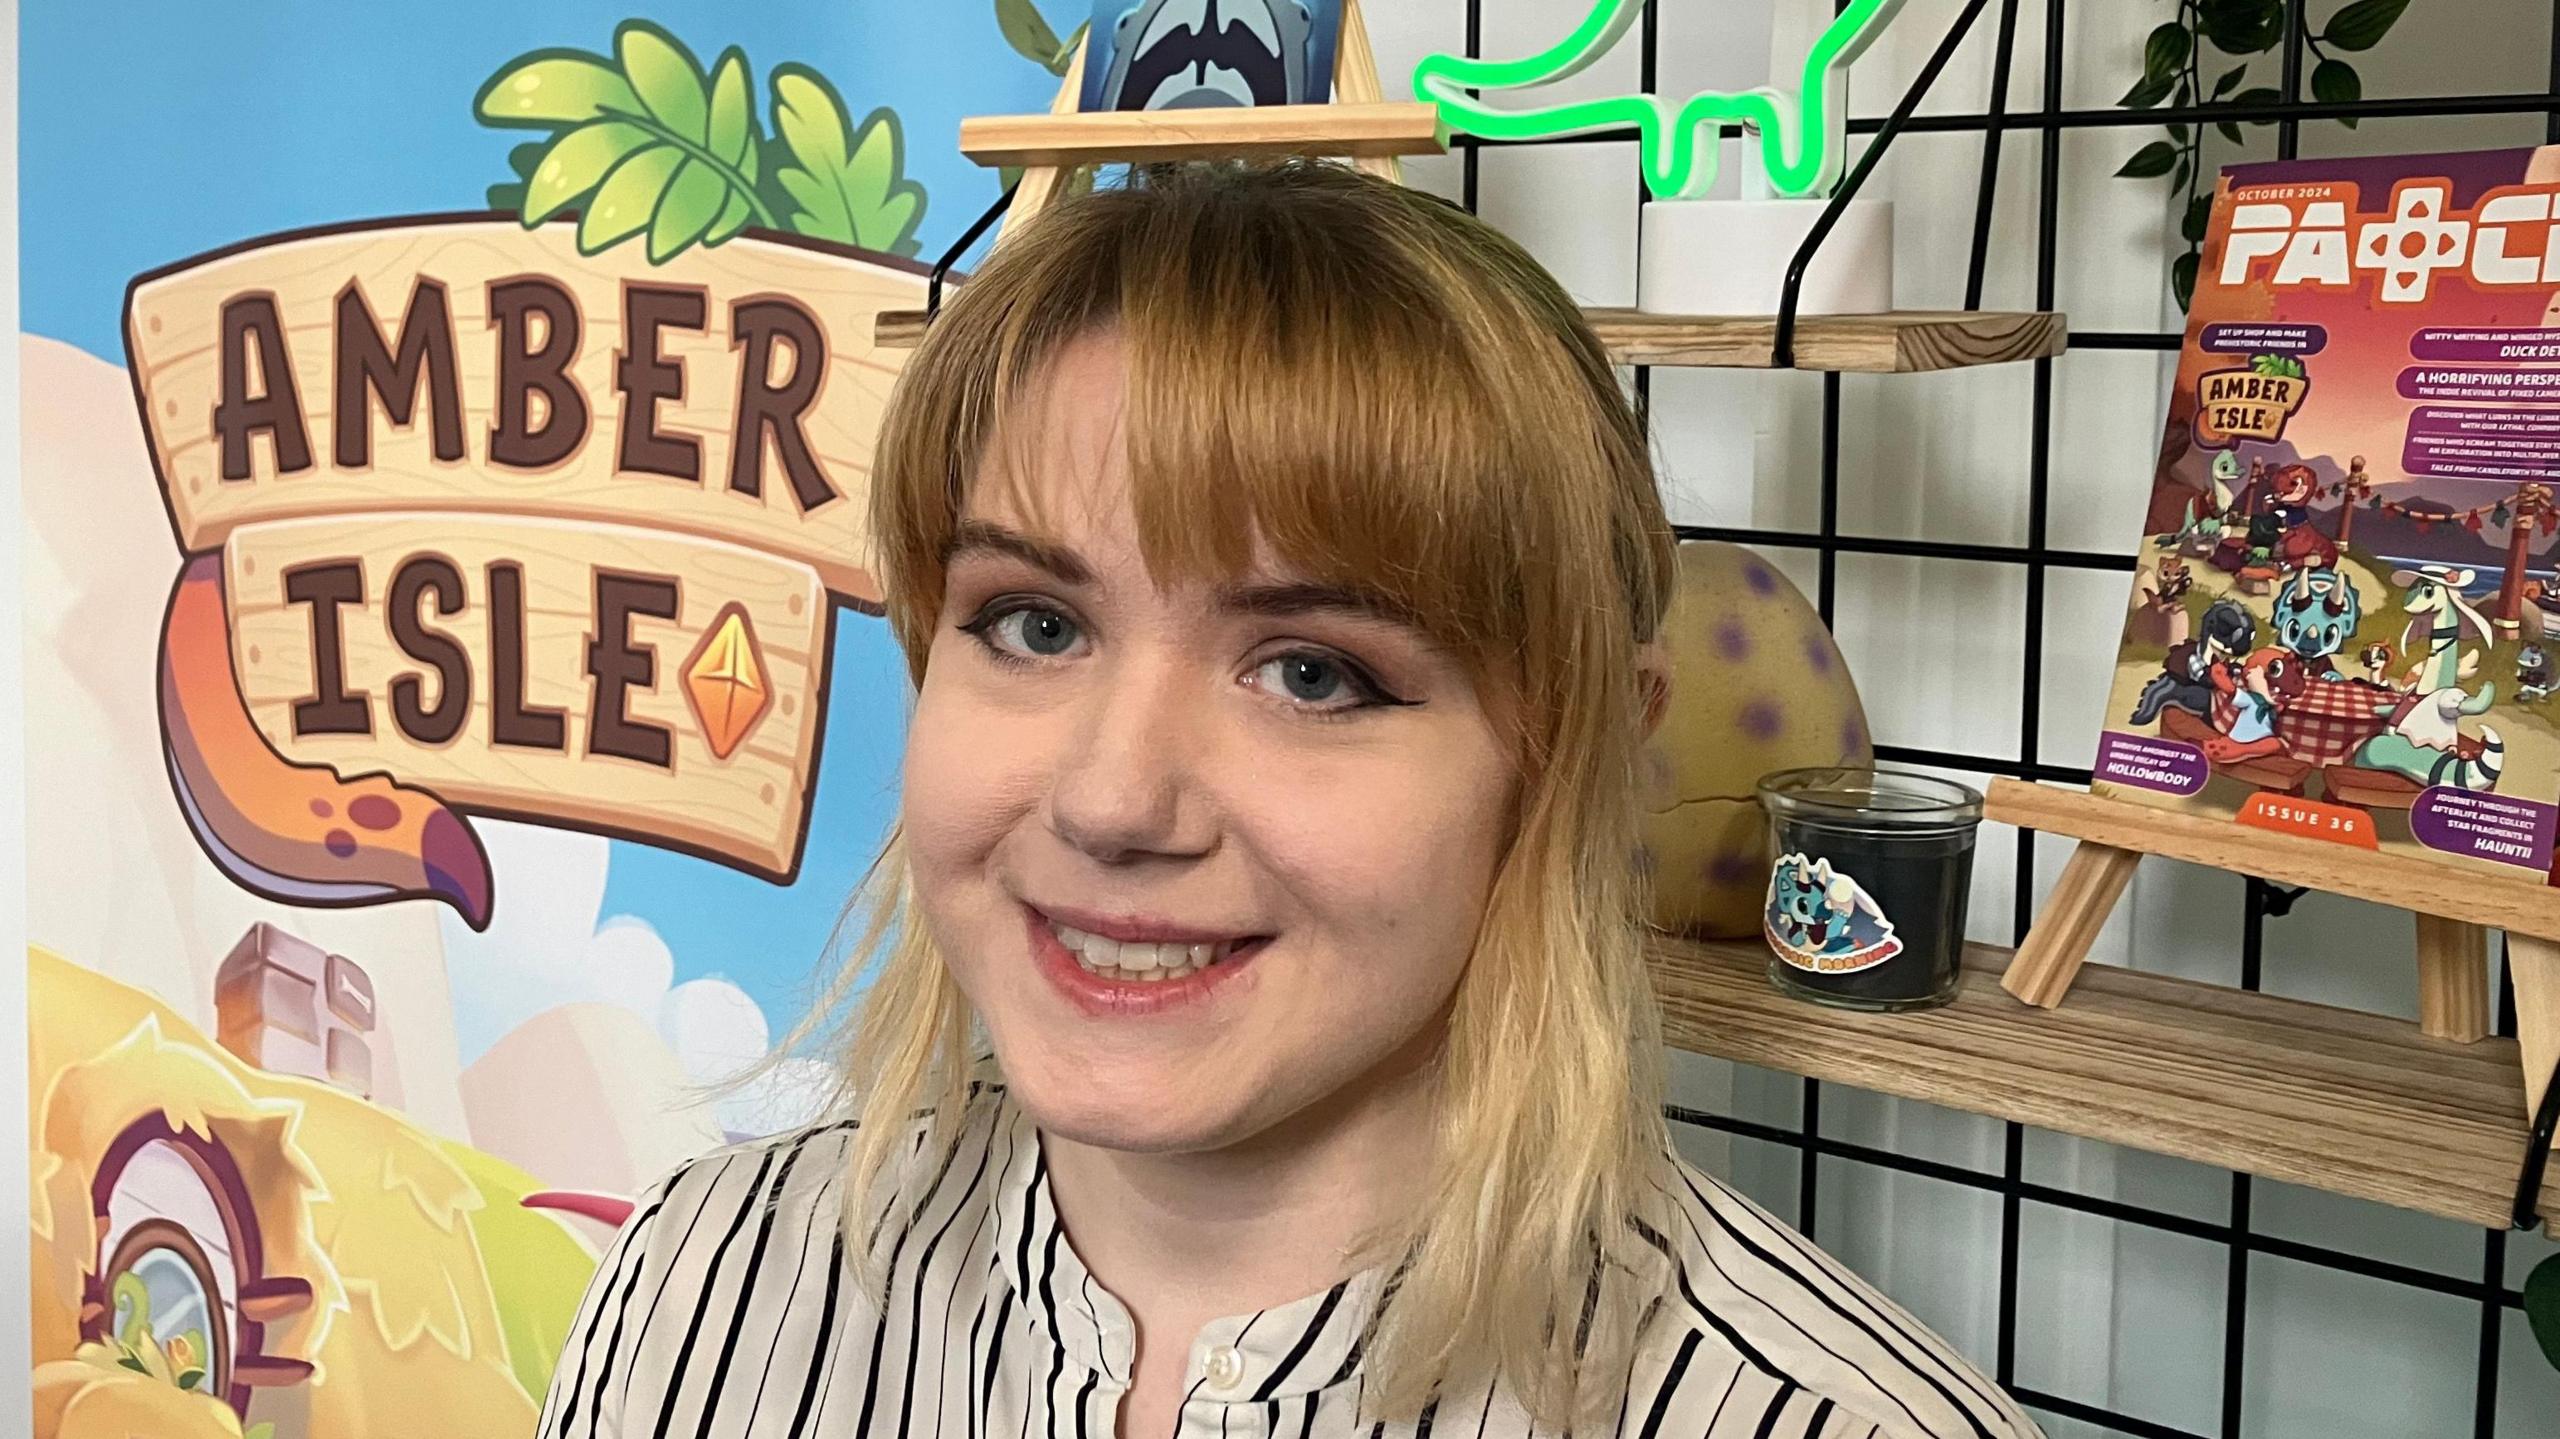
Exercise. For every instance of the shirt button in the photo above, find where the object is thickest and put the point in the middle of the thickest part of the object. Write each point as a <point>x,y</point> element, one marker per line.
<point>1226,1366</point>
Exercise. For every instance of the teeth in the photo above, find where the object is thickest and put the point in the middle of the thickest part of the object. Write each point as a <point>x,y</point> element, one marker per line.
<point>1136,961</point>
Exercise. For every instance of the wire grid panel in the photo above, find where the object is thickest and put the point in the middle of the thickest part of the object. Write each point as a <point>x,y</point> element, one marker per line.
<point>2034,564</point>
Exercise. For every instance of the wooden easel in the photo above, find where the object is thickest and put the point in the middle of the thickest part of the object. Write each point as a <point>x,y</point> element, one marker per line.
<point>1358,123</point>
<point>2453,914</point>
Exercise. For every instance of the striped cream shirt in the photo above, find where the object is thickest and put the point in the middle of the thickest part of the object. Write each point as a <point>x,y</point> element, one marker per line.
<point>726,1309</point>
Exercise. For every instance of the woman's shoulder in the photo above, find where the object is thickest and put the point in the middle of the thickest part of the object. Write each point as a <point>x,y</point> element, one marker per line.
<point>803,1167</point>
<point>1754,1314</point>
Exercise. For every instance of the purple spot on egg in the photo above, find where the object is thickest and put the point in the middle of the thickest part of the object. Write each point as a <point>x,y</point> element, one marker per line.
<point>1817,653</point>
<point>340,843</point>
<point>1762,579</point>
<point>1731,869</point>
<point>1733,642</point>
<point>1761,719</point>
<point>322,809</point>
<point>1853,738</point>
<point>373,811</point>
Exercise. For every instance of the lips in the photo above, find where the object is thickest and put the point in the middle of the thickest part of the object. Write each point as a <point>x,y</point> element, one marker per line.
<point>1112,966</point>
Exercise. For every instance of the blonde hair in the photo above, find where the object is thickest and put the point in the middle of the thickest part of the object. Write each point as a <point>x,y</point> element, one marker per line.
<point>1391,394</point>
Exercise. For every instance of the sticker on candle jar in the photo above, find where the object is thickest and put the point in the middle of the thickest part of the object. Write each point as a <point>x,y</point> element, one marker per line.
<point>1821,919</point>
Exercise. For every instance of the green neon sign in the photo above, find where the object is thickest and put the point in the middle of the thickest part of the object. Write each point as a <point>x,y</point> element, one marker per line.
<point>1801,138</point>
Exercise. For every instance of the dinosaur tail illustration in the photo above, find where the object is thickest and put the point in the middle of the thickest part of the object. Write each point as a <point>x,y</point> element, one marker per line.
<point>294,832</point>
<point>2476,772</point>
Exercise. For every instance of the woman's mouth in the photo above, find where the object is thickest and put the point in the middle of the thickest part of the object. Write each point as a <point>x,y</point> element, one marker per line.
<point>1141,961</point>
<point>1128,975</point>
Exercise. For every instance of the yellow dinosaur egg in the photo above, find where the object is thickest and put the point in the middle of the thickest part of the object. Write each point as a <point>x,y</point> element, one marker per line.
<point>1756,685</point>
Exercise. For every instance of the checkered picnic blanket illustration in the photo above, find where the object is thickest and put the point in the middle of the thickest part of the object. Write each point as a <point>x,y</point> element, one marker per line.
<point>2326,722</point>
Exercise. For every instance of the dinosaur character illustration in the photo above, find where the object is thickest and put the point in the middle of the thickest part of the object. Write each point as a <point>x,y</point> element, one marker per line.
<point>2316,613</point>
<point>2226,471</point>
<point>2377,663</point>
<point>2185,678</point>
<point>1192,54</point>
<point>2423,741</point>
<point>1819,913</point>
<point>2534,674</point>
<point>1800,133</point>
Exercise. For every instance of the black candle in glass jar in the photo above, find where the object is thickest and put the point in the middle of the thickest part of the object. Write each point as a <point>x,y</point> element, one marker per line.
<point>1866,902</point>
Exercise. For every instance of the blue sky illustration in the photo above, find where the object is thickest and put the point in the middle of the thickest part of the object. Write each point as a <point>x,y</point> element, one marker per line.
<point>154,131</point>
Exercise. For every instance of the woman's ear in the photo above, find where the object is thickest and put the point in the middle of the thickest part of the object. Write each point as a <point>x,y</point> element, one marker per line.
<point>1653,676</point>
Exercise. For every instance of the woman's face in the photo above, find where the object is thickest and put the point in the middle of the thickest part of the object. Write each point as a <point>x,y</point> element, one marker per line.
<point>1263,774</point>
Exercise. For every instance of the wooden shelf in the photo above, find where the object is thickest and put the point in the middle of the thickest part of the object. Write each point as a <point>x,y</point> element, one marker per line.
<point>1902,342</point>
<point>1360,131</point>
<point>2335,1099</point>
<point>1878,344</point>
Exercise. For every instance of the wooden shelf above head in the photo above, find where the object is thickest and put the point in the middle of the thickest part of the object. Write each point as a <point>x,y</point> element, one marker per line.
<point>1881,344</point>
<point>1369,130</point>
<point>2334,1099</point>
<point>1902,342</point>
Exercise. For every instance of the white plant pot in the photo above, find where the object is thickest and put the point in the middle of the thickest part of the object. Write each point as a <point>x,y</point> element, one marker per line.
<point>1730,257</point>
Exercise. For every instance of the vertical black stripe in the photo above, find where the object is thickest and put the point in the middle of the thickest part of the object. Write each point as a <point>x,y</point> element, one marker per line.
<point>1917,1368</point>
<point>1307,1421</point>
<point>818,1214</point>
<point>772,1206</point>
<point>1084,1397</point>
<point>1422,1426</point>
<point>1486,1417</point>
<point>1271,1418</point>
<point>1306,1341</point>
<point>1714,1321</point>
<point>1670,1385</point>
<point>613,1346</point>
<point>823,1350</point>
<point>924,1270</point>
<point>702,1300</point>
<point>1800,1282</point>
<point>1821,1416</point>
<point>969,1396</point>
<point>1732,1382</point>
<point>950,1300</point>
<point>1777,1404</point>
<point>632,1248</point>
<point>880,1330</point>
<point>995,1354</point>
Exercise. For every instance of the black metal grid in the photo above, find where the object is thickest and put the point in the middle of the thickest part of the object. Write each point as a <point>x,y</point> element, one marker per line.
<point>2037,560</point>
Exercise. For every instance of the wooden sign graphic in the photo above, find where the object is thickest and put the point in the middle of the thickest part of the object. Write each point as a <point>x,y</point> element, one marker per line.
<point>507,530</point>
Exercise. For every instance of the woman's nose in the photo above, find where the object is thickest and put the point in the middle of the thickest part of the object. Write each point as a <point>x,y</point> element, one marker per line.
<point>1125,785</point>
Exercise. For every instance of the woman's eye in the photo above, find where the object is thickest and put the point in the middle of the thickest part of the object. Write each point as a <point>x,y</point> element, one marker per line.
<point>1316,681</point>
<point>1033,630</point>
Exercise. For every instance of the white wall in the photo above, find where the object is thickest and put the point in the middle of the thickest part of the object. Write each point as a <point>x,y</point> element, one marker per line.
<point>2121,1316</point>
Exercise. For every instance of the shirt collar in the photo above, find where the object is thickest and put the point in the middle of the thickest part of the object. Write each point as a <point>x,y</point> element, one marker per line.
<point>1292,1349</point>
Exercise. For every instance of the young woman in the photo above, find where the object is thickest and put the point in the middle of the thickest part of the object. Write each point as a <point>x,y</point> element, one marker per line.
<point>1278,565</point>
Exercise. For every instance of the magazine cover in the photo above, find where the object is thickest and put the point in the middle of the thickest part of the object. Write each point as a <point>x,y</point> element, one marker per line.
<point>2339,613</point>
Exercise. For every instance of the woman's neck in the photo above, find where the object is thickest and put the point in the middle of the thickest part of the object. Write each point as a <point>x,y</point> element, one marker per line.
<point>1184,1238</point>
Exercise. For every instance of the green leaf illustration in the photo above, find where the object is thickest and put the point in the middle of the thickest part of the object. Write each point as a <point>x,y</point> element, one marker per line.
<point>842,184</point>
<point>663,74</point>
<point>2230,80</point>
<point>732,127</point>
<point>2182,278</point>
<point>2362,25</point>
<point>553,87</point>
<point>624,204</point>
<point>1066,55</point>
<point>647,141</point>
<point>578,161</point>
<point>686,209</point>
<point>2199,213</point>
<point>1025,30</point>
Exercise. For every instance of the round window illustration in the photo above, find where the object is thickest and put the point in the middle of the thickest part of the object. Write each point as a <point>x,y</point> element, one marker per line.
<point>164,1312</point>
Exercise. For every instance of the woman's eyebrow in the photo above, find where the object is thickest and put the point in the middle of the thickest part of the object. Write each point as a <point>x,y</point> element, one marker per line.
<point>1298,598</point>
<point>983,535</point>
